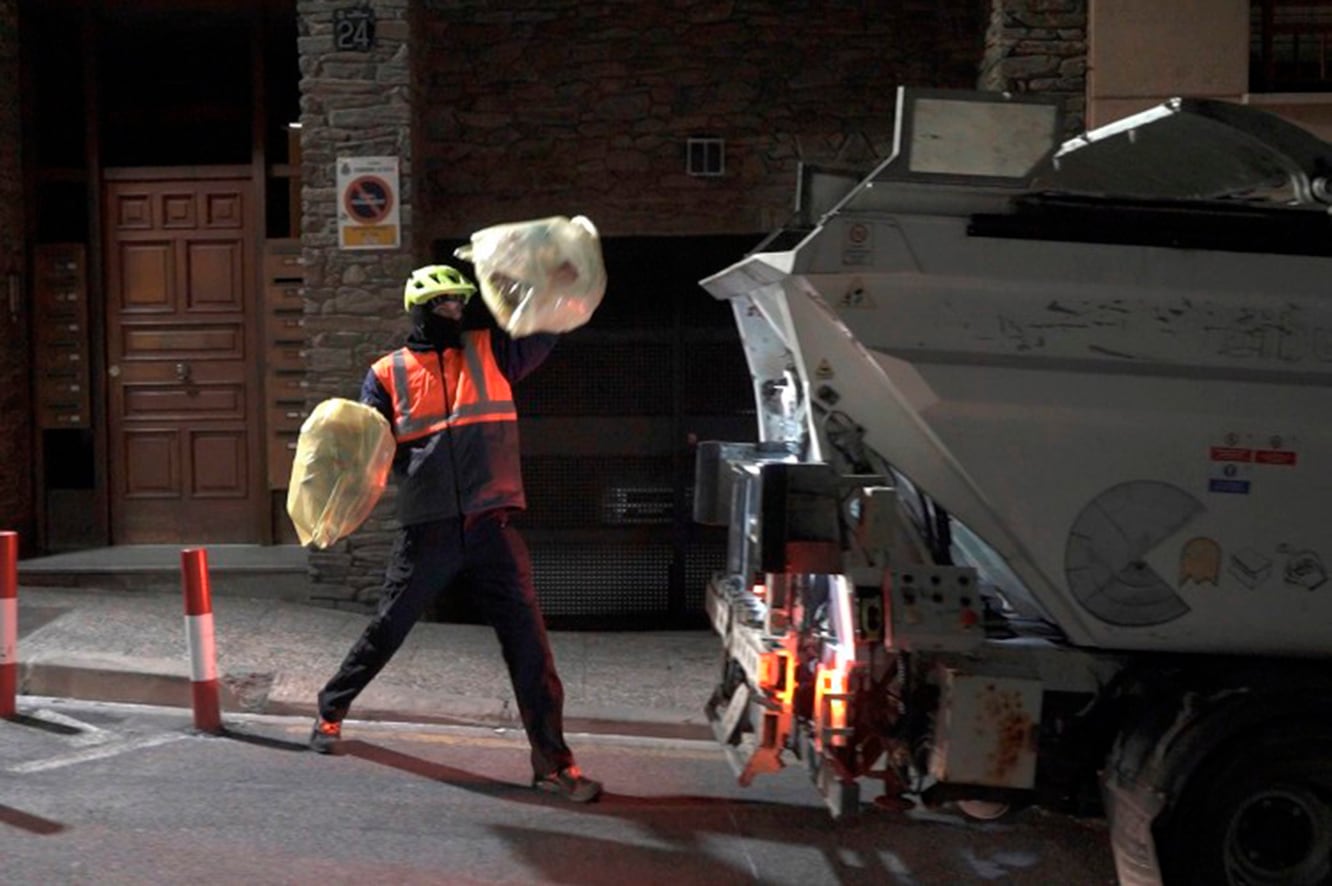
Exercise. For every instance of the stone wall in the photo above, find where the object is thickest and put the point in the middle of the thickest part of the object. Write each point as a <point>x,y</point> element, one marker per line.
<point>1040,46</point>
<point>16,501</point>
<point>353,104</point>
<point>520,109</point>
<point>539,107</point>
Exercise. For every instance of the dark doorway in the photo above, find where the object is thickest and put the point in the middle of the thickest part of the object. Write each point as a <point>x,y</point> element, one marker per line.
<point>176,89</point>
<point>173,86</point>
<point>609,426</point>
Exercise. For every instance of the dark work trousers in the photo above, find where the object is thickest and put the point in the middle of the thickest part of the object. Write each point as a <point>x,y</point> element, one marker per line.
<point>489,558</point>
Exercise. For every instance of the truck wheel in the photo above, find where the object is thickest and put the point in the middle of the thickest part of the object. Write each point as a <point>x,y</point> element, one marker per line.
<point>1259,815</point>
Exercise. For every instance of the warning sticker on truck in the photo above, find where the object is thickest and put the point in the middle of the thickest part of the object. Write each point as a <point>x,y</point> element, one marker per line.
<point>858,244</point>
<point>1241,458</point>
<point>1274,457</point>
<point>1244,454</point>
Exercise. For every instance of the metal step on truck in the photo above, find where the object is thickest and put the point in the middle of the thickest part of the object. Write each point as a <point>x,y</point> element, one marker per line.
<point>1036,508</point>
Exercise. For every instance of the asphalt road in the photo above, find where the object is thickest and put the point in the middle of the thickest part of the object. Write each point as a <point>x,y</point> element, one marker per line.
<point>120,794</point>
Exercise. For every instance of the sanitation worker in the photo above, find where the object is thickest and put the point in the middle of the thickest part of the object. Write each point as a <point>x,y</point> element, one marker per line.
<point>446,396</point>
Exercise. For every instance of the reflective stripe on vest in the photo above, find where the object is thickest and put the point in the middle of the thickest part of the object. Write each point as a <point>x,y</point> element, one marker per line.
<point>420,390</point>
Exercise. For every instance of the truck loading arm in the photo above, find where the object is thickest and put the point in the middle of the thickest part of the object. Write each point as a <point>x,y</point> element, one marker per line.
<point>801,324</point>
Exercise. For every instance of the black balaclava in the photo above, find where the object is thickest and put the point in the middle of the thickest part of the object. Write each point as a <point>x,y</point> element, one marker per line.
<point>428,328</point>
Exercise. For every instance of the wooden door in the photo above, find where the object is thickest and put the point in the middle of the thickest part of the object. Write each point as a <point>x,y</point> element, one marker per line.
<point>181,362</point>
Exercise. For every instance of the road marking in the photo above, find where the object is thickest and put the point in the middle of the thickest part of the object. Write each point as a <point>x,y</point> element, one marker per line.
<point>86,734</point>
<point>96,753</point>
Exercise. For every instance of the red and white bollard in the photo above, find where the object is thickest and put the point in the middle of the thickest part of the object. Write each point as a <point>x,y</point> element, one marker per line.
<point>199,631</point>
<point>8,624</point>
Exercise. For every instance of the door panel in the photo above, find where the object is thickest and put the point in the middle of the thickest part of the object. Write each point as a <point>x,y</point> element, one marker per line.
<point>182,414</point>
<point>220,464</point>
<point>213,280</point>
<point>152,466</point>
<point>161,341</point>
<point>146,268</point>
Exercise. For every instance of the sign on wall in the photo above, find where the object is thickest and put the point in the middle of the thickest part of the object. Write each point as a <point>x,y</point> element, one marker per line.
<point>368,203</point>
<point>354,29</point>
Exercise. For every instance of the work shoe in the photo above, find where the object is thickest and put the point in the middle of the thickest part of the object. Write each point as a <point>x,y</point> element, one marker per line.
<point>570,784</point>
<point>325,734</point>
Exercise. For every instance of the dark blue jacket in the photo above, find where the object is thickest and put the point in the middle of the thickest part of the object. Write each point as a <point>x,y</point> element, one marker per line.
<point>461,470</point>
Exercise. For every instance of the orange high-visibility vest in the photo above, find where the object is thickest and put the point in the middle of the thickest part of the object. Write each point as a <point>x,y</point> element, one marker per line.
<point>434,390</point>
<point>461,393</point>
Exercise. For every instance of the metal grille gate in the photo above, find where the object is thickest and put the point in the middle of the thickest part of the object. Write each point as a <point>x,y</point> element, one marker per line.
<point>608,429</point>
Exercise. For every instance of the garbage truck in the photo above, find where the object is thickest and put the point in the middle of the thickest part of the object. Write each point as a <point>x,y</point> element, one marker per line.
<point>1036,509</point>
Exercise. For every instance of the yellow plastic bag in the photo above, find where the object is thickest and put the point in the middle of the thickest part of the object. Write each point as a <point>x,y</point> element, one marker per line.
<point>343,456</point>
<point>545,275</point>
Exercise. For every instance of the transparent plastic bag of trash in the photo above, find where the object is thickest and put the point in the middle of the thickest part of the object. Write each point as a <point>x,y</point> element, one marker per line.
<point>343,456</point>
<point>544,275</point>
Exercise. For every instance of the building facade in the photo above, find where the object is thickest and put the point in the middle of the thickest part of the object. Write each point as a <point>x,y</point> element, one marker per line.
<point>194,259</point>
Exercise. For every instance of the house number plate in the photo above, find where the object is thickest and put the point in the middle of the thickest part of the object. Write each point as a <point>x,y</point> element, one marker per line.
<point>354,29</point>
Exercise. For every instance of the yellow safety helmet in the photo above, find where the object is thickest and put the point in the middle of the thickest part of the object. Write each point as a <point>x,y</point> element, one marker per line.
<point>434,280</point>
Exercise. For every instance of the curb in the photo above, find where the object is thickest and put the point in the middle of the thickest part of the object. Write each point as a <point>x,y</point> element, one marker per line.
<point>128,687</point>
<point>258,584</point>
<point>249,693</point>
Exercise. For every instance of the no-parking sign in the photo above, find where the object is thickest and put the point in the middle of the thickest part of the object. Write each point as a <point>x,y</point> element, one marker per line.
<point>368,203</point>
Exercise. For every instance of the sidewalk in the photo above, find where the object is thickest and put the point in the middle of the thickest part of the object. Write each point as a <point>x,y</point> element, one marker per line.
<point>274,655</point>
